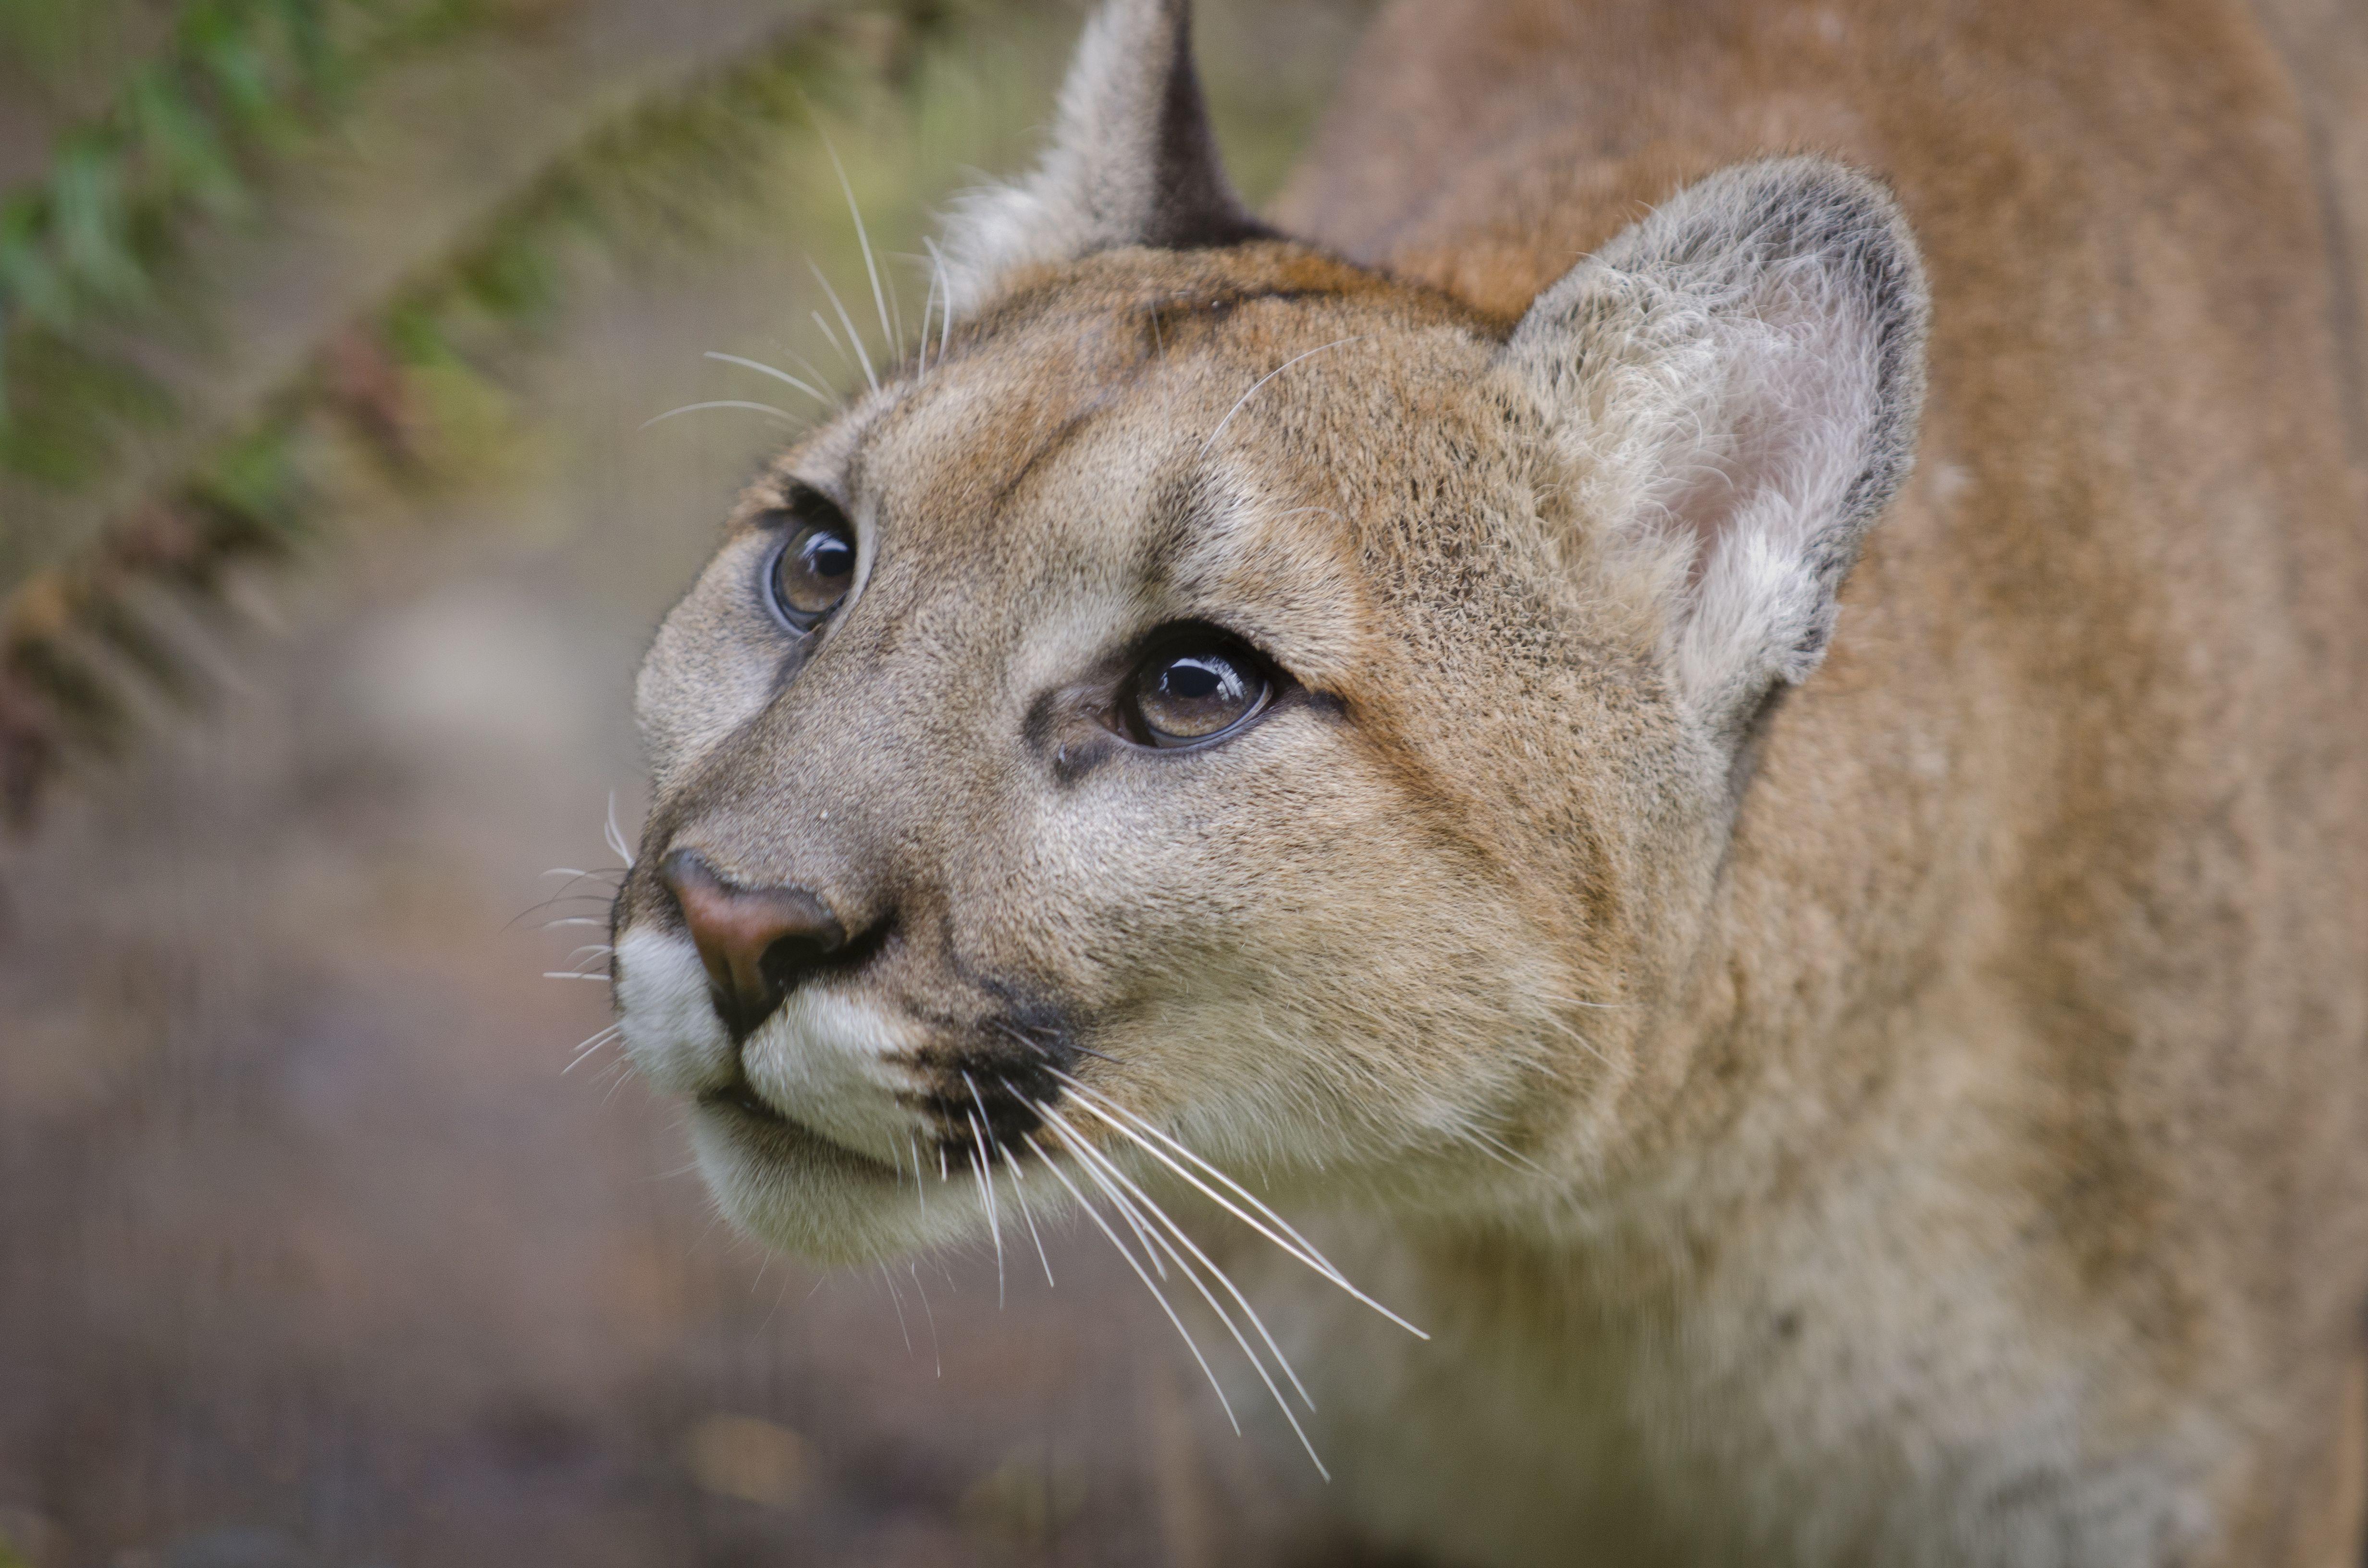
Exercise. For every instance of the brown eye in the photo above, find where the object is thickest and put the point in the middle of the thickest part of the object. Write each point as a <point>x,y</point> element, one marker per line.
<point>813,570</point>
<point>1195,692</point>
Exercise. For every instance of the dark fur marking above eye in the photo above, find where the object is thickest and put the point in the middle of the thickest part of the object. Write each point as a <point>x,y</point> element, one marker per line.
<point>1170,318</point>
<point>801,502</point>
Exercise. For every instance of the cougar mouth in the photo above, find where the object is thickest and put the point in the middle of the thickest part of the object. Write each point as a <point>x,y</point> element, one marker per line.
<point>743,1098</point>
<point>750,1116</point>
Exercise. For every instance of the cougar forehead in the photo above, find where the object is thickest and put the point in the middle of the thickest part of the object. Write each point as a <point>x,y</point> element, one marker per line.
<point>1089,461</point>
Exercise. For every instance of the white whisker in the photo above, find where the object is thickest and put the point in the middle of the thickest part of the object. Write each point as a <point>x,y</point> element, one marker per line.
<point>1095,1162</point>
<point>946,313</point>
<point>987,1193</point>
<point>812,371</point>
<point>1157,1294</point>
<point>1028,1212</point>
<point>781,415</point>
<point>890,1280</point>
<point>1490,1140</point>
<point>1262,380</point>
<point>928,304</point>
<point>1298,1246</point>
<point>1120,1177</point>
<point>585,1048</point>
<point>1126,1212</point>
<point>834,343</point>
<point>861,353</point>
<point>764,370</point>
<point>891,335</point>
<point>619,1079</point>
<point>616,837</point>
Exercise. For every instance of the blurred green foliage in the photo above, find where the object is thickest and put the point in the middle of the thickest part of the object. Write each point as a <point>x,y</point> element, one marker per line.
<point>83,245</point>
<point>414,385</point>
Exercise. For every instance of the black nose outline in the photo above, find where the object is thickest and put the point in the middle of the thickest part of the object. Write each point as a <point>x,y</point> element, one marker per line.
<point>756,943</point>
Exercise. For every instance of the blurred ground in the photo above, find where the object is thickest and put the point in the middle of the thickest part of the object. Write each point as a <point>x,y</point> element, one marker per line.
<point>310,1252</point>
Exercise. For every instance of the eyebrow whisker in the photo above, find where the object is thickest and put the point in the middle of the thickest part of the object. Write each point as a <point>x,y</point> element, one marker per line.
<point>1262,380</point>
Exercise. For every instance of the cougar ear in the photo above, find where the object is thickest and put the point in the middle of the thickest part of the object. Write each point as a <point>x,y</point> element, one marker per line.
<point>1736,382</point>
<point>1131,162</point>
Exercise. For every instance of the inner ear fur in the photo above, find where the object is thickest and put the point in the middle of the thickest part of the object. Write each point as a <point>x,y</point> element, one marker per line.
<point>1735,382</point>
<point>1131,162</point>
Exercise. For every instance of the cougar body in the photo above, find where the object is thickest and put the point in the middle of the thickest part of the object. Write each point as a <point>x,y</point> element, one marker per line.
<point>1795,886</point>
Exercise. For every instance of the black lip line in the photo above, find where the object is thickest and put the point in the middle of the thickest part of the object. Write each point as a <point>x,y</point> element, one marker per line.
<point>741,1096</point>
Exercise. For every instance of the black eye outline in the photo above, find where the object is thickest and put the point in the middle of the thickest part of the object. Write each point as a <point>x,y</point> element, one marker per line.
<point>806,515</point>
<point>1184,640</point>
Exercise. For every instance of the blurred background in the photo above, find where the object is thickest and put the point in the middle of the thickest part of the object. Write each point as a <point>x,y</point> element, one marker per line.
<point>330,529</point>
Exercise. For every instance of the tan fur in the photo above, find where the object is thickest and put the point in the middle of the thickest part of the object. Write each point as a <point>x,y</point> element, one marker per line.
<point>1939,1093</point>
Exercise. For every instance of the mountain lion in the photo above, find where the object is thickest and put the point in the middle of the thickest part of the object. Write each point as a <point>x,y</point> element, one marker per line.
<point>1747,767</point>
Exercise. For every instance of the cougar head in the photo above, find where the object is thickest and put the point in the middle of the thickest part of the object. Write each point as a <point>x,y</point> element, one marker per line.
<point>1216,697</point>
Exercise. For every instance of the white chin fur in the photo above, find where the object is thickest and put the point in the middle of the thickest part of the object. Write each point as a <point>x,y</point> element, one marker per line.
<point>840,1182</point>
<point>666,1019</point>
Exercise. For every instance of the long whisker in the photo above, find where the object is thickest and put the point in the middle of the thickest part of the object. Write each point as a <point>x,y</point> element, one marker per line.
<point>1150,1244</point>
<point>1157,1294</point>
<point>928,303</point>
<point>890,1280</point>
<point>861,353</point>
<point>781,415</point>
<point>981,1125</point>
<point>1262,380</point>
<point>1298,1246</point>
<point>920,1181</point>
<point>1040,1049</point>
<point>1093,1162</point>
<point>585,1048</point>
<point>1028,1212</point>
<point>619,1081</point>
<point>1120,1177</point>
<point>616,837</point>
<point>764,370</point>
<point>1490,1140</point>
<point>1106,1109</point>
<point>946,315</point>
<point>935,1354</point>
<point>889,333</point>
<point>834,343</point>
<point>986,1192</point>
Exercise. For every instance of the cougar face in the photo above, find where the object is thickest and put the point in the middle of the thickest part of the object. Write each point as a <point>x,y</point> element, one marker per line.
<point>1135,746</point>
<point>1216,690</point>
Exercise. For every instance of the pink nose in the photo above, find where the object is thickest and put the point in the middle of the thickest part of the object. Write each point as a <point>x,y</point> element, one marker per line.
<point>755,942</point>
